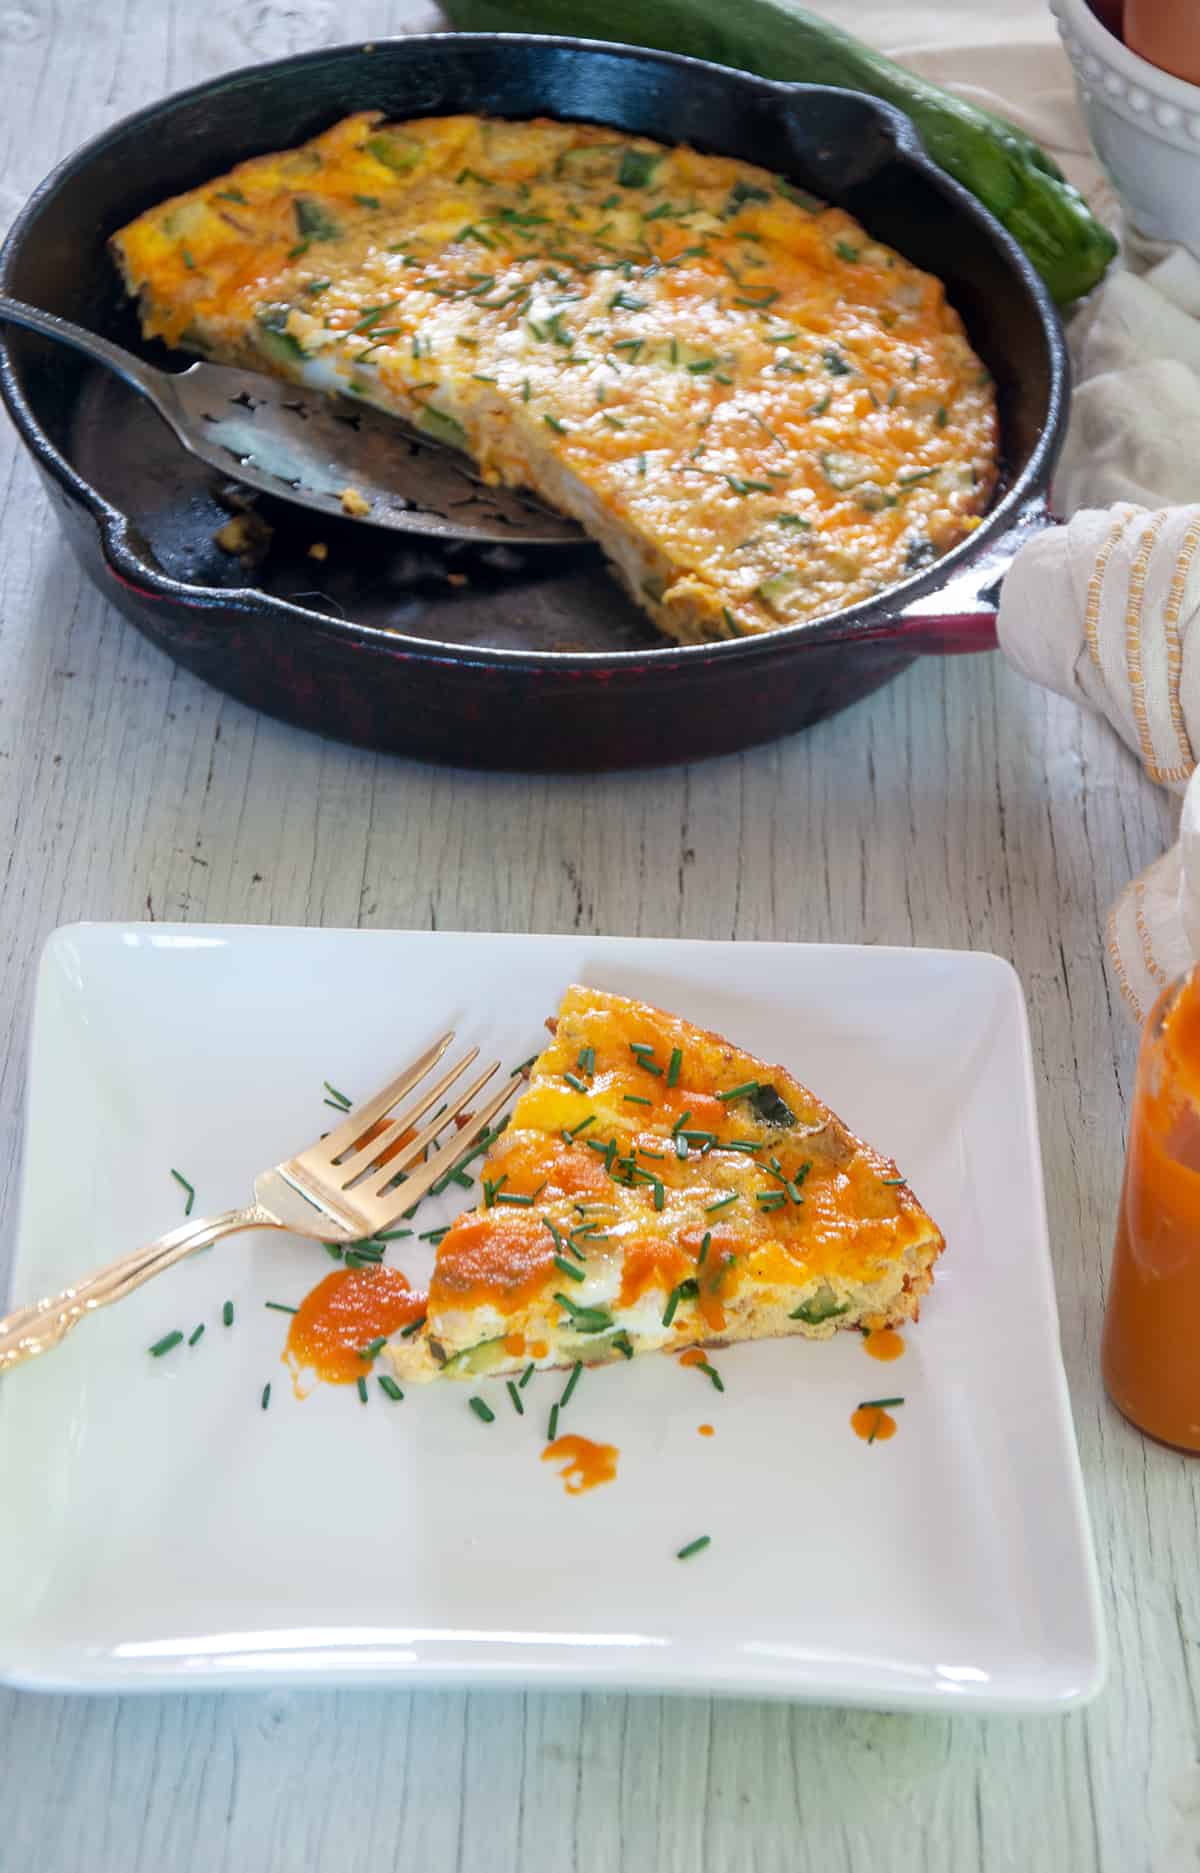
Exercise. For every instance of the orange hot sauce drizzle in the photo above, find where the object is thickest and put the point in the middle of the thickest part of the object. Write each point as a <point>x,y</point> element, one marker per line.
<point>585,1464</point>
<point>695,1356</point>
<point>346,1311</point>
<point>883,1343</point>
<point>873,1424</point>
<point>705,1430</point>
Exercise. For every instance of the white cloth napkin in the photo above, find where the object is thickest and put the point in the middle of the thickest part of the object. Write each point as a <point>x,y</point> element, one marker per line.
<point>1105,609</point>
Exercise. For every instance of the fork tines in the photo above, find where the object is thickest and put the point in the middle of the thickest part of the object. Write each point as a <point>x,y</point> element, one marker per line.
<point>366,1142</point>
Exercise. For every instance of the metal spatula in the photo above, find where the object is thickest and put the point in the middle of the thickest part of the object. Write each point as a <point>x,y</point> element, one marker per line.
<point>303,446</point>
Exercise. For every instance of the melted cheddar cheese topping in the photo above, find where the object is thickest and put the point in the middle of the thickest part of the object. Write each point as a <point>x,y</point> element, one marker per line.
<point>761,413</point>
<point>656,1187</point>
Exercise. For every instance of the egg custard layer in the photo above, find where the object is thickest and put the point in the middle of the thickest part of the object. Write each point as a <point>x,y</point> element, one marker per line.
<point>656,1188</point>
<point>760,413</point>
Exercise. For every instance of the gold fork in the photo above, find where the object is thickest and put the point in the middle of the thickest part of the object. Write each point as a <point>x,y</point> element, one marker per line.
<point>338,1189</point>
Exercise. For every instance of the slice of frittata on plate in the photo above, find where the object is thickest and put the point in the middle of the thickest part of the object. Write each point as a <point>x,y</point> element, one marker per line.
<point>758,411</point>
<point>657,1187</point>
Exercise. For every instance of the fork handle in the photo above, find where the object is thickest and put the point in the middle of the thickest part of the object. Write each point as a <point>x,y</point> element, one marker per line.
<point>29,1331</point>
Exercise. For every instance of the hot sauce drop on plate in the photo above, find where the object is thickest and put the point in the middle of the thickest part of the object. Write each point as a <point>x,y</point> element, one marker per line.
<point>585,1464</point>
<point>348,1310</point>
<point>883,1343</point>
<point>1149,1357</point>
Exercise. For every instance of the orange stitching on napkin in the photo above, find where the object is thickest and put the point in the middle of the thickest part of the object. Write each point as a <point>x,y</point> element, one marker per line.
<point>1133,637</point>
<point>1114,953</point>
<point>1091,618</point>
<point>1174,606</point>
<point>1153,967</point>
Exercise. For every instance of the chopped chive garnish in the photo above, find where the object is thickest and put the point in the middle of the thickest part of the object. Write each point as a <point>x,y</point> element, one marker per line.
<point>279,1307</point>
<point>525,1377</point>
<point>675,1064</point>
<point>518,1403</point>
<point>585,1319</point>
<point>552,422</point>
<point>693,1547</point>
<point>482,1409</point>
<point>878,1404</point>
<point>491,1190</point>
<point>568,1268</point>
<point>373,1348</point>
<point>635,1099</point>
<point>700,1259</point>
<point>334,1094</point>
<point>623,1344</point>
<point>391,1235</point>
<point>523,1068</point>
<point>895,1180</point>
<point>191,1194</point>
<point>552,1428</point>
<point>770,1199</point>
<point>681,1146</point>
<point>740,1092</point>
<point>195,1334</point>
<point>266,1396</point>
<point>388,1385</point>
<point>574,1130</point>
<point>685,1291</point>
<point>575,1084</point>
<point>710,1372</point>
<point>165,1345</point>
<point>723,1203</point>
<point>587,1061</point>
<point>510,1196</point>
<point>572,1382</point>
<point>414,1326</point>
<point>227,1313</point>
<point>434,1235</point>
<point>361,1386</point>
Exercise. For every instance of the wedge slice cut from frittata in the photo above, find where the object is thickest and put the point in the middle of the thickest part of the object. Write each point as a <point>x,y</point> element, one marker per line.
<point>657,1187</point>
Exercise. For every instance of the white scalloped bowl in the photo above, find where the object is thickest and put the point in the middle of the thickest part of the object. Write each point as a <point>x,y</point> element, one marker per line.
<point>1144,123</point>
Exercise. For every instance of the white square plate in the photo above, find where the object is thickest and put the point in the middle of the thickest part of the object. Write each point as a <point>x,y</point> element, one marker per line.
<point>160,1530</point>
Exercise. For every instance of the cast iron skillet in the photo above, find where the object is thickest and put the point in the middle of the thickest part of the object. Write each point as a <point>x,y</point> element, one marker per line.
<point>539,663</point>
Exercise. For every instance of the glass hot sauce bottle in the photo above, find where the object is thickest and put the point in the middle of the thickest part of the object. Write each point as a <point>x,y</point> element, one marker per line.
<point>1151,1350</point>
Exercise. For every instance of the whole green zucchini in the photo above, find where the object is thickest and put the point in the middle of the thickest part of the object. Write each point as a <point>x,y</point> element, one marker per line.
<point>1006,170</point>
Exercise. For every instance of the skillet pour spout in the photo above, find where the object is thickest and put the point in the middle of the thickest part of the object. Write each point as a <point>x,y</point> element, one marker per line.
<point>496,657</point>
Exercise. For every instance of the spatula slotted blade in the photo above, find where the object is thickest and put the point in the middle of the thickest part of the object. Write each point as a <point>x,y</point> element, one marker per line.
<point>305,446</point>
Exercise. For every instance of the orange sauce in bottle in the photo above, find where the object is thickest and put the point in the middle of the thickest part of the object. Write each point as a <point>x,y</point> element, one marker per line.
<point>1149,1355</point>
<point>585,1464</point>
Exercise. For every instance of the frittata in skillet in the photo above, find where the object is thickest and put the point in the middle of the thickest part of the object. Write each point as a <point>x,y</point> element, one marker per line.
<point>656,1188</point>
<point>758,411</point>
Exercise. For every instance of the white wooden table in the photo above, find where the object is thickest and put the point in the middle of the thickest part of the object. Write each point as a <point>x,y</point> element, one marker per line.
<point>958,807</point>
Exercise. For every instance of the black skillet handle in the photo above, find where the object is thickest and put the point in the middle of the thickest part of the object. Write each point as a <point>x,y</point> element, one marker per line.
<point>960,616</point>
